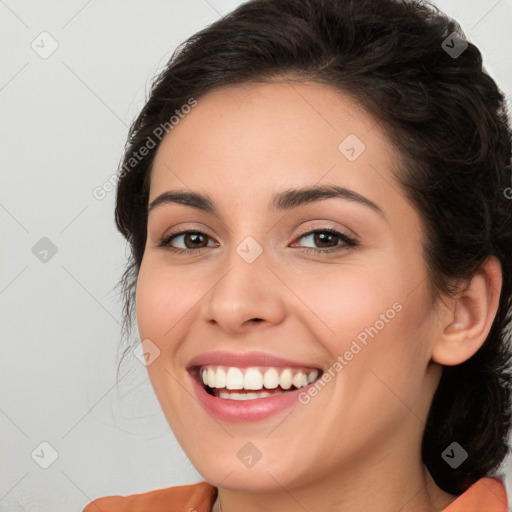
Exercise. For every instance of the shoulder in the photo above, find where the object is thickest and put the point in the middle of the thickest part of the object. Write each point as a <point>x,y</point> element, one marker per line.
<point>485,495</point>
<point>183,498</point>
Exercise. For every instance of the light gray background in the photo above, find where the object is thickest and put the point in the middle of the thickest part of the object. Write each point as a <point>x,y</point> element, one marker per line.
<point>64,121</point>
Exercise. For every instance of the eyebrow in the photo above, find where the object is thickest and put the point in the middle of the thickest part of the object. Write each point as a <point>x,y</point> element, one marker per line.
<point>285,200</point>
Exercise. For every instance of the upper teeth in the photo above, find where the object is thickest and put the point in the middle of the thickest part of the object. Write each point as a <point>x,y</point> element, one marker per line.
<point>254,378</point>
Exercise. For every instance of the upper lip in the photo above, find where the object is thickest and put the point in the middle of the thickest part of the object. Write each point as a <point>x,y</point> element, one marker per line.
<point>246,359</point>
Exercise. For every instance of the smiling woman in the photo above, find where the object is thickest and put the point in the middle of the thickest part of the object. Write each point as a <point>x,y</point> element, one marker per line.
<point>329,221</point>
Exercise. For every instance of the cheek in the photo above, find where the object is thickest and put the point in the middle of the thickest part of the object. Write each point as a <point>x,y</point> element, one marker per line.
<point>157,301</point>
<point>388,368</point>
<point>346,301</point>
<point>378,321</point>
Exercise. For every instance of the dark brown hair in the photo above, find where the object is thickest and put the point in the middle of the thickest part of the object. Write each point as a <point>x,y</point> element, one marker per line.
<point>447,120</point>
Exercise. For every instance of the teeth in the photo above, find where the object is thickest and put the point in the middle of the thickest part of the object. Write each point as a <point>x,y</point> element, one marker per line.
<point>220,379</point>
<point>286,379</point>
<point>243,396</point>
<point>234,378</point>
<point>211,377</point>
<point>254,379</point>
<point>300,380</point>
<point>312,376</point>
<point>271,378</point>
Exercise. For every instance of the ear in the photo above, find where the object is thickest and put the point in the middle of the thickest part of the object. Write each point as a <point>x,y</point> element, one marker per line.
<point>467,320</point>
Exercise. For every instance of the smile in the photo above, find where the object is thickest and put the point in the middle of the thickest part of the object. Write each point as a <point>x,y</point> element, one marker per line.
<point>248,386</point>
<point>234,383</point>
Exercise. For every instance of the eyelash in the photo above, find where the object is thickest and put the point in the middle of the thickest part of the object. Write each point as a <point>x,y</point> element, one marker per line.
<point>348,242</point>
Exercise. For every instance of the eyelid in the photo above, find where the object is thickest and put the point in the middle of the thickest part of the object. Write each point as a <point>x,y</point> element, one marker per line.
<point>310,229</point>
<point>185,227</point>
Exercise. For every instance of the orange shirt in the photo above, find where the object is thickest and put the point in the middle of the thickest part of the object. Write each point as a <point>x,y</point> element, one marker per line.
<point>486,495</point>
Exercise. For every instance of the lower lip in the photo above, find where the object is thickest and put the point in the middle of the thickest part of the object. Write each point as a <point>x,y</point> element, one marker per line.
<point>245,410</point>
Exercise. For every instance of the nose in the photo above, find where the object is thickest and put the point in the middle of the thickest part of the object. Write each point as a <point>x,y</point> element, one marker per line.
<point>246,296</point>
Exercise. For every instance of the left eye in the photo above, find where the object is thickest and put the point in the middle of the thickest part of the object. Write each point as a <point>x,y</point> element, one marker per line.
<point>327,240</point>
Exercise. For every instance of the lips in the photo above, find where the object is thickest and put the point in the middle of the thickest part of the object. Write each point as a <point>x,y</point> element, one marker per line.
<point>247,359</point>
<point>248,386</point>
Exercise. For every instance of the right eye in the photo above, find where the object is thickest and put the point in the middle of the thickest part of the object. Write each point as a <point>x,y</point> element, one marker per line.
<point>190,240</point>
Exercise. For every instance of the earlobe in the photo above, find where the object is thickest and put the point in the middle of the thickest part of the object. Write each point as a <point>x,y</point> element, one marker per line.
<point>465,325</point>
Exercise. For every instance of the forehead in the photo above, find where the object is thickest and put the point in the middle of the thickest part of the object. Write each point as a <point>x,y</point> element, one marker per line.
<point>254,139</point>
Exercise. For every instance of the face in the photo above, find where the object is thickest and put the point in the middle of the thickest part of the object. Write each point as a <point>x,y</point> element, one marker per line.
<point>321,293</point>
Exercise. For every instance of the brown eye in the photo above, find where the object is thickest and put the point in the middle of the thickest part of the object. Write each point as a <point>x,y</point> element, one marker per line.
<point>326,240</point>
<point>185,241</point>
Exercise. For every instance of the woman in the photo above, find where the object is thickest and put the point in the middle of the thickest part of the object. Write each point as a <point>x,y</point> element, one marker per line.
<point>315,195</point>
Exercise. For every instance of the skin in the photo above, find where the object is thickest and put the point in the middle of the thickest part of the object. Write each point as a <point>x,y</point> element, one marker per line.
<point>356,445</point>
